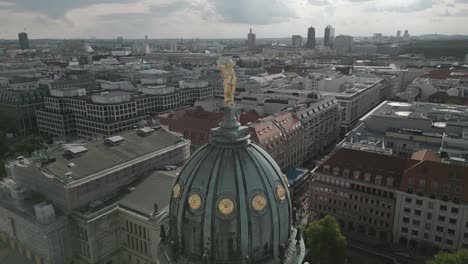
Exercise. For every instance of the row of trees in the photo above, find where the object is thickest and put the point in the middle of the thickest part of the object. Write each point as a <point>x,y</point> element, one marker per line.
<point>327,245</point>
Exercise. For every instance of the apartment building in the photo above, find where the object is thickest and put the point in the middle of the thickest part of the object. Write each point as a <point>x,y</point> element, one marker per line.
<point>321,121</point>
<point>432,210</point>
<point>282,136</point>
<point>359,189</point>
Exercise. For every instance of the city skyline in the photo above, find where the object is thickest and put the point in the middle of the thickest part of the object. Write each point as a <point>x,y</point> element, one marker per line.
<point>224,19</point>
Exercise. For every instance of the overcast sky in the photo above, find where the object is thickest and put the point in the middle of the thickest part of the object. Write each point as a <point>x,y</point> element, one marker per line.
<point>227,18</point>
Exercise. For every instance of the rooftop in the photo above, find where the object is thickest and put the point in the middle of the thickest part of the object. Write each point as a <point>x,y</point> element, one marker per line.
<point>417,110</point>
<point>101,156</point>
<point>446,74</point>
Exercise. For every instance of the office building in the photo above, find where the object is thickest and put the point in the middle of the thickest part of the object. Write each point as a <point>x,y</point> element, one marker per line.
<point>408,127</point>
<point>251,40</point>
<point>343,43</point>
<point>406,35</point>
<point>74,112</point>
<point>20,98</point>
<point>398,34</point>
<point>296,41</point>
<point>311,42</point>
<point>329,36</point>
<point>23,40</point>
<point>356,95</point>
<point>98,207</point>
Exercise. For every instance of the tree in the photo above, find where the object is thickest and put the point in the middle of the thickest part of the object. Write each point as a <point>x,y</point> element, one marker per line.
<point>460,257</point>
<point>325,242</point>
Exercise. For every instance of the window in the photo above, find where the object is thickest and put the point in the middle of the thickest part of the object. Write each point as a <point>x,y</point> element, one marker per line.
<point>356,175</point>
<point>453,221</point>
<point>390,182</point>
<point>407,210</point>
<point>405,220</point>
<point>451,231</point>
<point>417,212</point>
<point>378,180</point>
<point>454,210</point>
<point>416,222</point>
<point>438,239</point>
<point>419,202</point>
<point>408,200</point>
<point>447,188</point>
<point>336,171</point>
<point>367,177</point>
<point>427,226</point>
<point>440,229</point>
<point>441,218</point>
<point>414,232</point>
<point>346,173</point>
<point>449,242</point>
<point>429,216</point>
<point>458,189</point>
<point>443,208</point>
<point>431,205</point>
<point>404,230</point>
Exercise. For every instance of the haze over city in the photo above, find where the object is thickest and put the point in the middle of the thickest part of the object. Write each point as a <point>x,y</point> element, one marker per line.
<point>227,19</point>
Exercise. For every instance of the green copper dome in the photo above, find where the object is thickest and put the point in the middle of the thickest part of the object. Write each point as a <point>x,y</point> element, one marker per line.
<point>230,204</point>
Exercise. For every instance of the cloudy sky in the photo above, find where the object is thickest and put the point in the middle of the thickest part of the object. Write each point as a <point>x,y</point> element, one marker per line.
<point>227,18</point>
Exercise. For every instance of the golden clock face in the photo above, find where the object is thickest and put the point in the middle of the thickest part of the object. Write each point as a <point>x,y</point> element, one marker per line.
<point>226,206</point>
<point>176,191</point>
<point>259,202</point>
<point>280,193</point>
<point>195,201</point>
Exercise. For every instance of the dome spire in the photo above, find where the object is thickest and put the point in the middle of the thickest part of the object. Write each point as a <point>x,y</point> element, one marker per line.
<point>230,132</point>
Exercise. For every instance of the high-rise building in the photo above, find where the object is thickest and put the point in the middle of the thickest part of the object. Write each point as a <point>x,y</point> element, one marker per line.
<point>251,40</point>
<point>407,35</point>
<point>343,43</point>
<point>311,38</point>
<point>23,40</point>
<point>296,41</point>
<point>329,36</point>
<point>398,34</point>
<point>120,40</point>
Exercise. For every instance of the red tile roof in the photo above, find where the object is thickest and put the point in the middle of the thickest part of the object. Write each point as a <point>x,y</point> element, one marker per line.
<point>445,74</point>
<point>425,155</point>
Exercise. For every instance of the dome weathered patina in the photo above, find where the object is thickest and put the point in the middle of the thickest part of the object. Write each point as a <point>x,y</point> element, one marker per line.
<point>230,204</point>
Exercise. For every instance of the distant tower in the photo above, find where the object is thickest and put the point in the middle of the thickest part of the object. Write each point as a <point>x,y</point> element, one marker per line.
<point>146,37</point>
<point>311,38</point>
<point>407,35</point>
<point>251,40</point>
<point>120,40</point>
<point>329,35</point>
<point>398,34</point>
<point>23,40</point>
<point>296,41</point>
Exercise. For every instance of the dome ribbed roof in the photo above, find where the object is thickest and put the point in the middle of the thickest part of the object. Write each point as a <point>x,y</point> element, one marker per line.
<point>230,202</point>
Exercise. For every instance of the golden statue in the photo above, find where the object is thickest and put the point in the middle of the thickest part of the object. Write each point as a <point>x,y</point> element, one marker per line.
<point>229,76</point>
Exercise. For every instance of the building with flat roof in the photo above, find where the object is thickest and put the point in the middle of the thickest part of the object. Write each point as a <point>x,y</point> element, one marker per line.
<point>357,96</point>
<point>98,114</point>
<point>75,175</point>
<point>408,127</point>
<point>19,100</point>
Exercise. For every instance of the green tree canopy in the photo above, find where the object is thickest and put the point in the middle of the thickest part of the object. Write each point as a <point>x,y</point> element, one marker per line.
<point>460,257</point>
<point>325,242</point>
